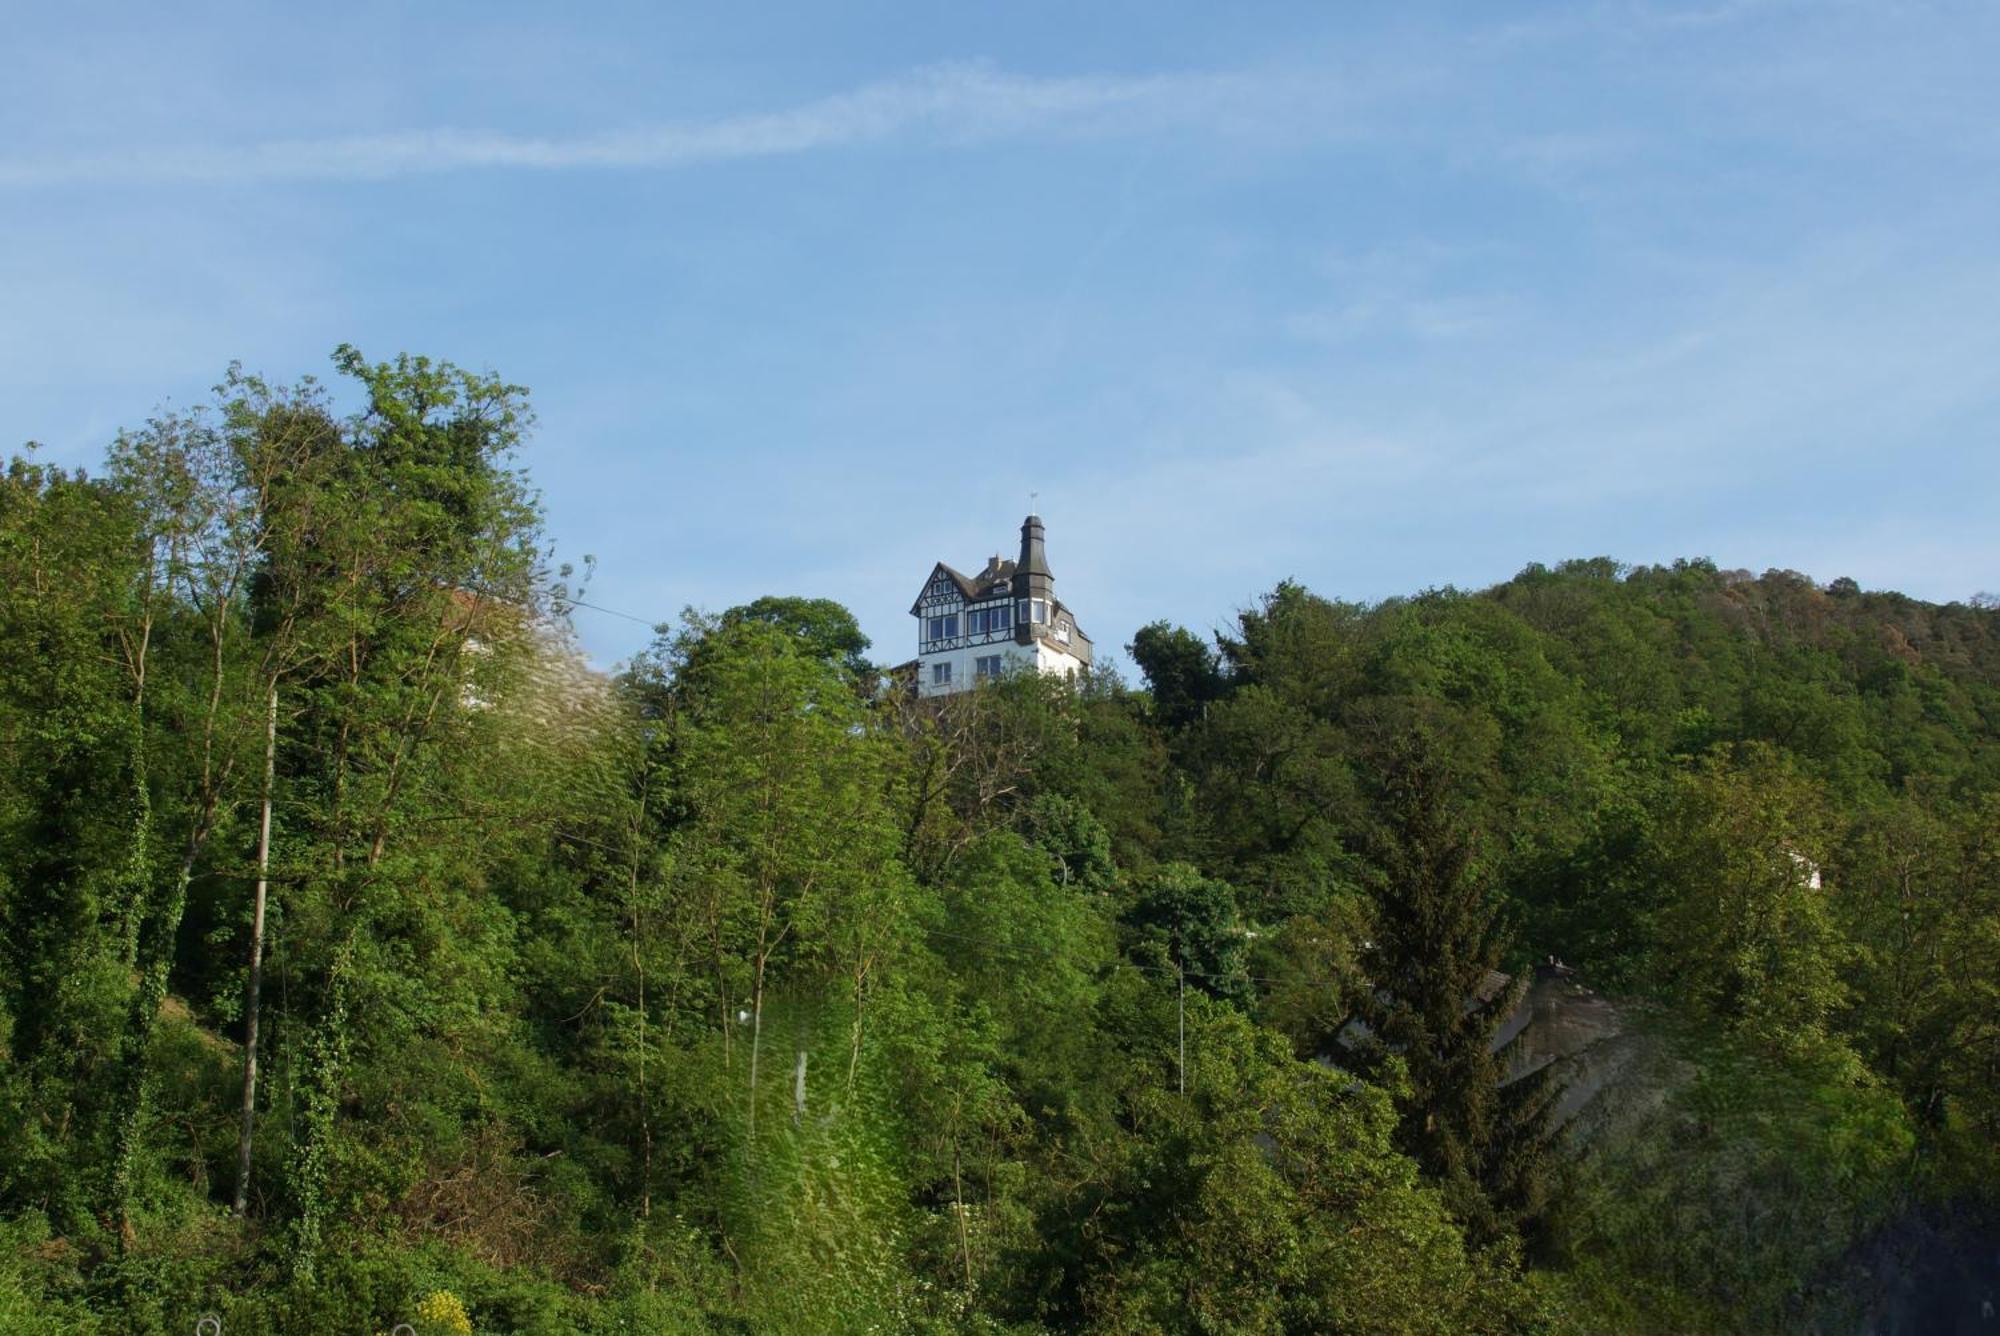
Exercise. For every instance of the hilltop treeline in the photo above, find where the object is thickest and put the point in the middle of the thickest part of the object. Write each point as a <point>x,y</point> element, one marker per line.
<point>745,992</point>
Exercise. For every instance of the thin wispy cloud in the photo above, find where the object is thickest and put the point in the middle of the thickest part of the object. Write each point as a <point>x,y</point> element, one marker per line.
<point>950,102</point>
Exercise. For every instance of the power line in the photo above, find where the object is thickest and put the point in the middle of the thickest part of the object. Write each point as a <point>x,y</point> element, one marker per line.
<point>612,612</point>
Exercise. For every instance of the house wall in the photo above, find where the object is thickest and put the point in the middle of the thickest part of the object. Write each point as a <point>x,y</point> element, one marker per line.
<point>1039,656</point>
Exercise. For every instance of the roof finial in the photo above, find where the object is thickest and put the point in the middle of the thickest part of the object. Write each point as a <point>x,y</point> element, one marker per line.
<point>1034,503</point>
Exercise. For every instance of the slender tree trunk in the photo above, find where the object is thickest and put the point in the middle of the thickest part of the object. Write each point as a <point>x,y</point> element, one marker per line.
<point>958,1195</point>
<point>156,960</point>
<point>138,872</point>
<point>639,968</point>
<point>256,984</point>
<point>318,1086</point>
<point>854,1034</point>
<point>722,993</point>
<point>1180,1066</point>
<point>756,1042</point>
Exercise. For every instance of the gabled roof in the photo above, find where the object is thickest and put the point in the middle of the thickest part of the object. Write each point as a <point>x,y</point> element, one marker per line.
<point>996,581</point>
<point>993,582</point>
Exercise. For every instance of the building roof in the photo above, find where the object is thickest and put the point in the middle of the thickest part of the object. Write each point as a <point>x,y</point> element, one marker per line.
<point>996,581</point>
<point>993,582</point>
<point>1034,556</point>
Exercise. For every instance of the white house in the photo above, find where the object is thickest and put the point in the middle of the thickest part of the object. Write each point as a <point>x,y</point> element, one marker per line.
<point>1005,619</point>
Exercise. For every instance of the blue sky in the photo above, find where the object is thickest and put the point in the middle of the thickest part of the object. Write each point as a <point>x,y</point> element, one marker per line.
<point>1376,298</point>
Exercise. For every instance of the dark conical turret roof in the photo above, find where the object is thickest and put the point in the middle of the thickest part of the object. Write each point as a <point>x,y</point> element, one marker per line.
<point>1034,560</point>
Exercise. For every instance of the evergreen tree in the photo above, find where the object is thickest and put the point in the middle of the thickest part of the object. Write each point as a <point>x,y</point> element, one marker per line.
<point>1439,998</point>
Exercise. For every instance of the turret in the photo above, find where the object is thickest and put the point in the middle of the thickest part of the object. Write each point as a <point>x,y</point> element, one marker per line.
<point>1031,573</point>
<point>1034,586</point>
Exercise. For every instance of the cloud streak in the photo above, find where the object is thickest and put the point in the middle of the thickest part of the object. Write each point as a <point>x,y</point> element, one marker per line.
<point>947,103</point>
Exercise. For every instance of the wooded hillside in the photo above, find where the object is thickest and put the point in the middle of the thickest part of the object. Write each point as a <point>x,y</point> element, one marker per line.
<point>745,992</point>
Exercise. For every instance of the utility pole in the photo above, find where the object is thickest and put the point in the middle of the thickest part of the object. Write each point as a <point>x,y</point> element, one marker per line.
<point>256,985</point>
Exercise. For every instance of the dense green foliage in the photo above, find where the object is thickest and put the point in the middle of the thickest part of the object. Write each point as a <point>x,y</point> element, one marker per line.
<point>746,992</point>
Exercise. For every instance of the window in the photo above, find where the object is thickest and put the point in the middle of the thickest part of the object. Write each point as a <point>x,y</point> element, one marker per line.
<point>1062,631</point>
<point>944,628</point>
<point>1041,612</point>
<point>986,666</point>
<point>987,621</point>
<point>940,674</point>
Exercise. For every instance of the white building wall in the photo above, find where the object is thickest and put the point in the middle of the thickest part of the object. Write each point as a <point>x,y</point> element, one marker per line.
<point>1038,656</point>
<point>1049,659</point>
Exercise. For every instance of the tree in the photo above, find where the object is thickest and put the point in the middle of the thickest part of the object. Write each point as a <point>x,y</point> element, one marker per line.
<point>1027,950</point>
<point>69,807</point>
<point>1181,670</point>
<point>968,762</point>
<point>1745,937</point>
<point>401,547</point>
<point>1183,921</point>
<point>1270,1199</point>
<point>1438,998</point>
<point>200,535</point>
<point>783,837</point>
<point>823,628</point>
<point>1914,889</point>
<point>1066,830</point>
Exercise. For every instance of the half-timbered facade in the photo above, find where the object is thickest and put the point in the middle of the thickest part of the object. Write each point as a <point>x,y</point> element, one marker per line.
<point>1007,618</point>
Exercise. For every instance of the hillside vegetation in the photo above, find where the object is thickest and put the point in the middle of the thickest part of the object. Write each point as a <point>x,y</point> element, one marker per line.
<point>745,993</point>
